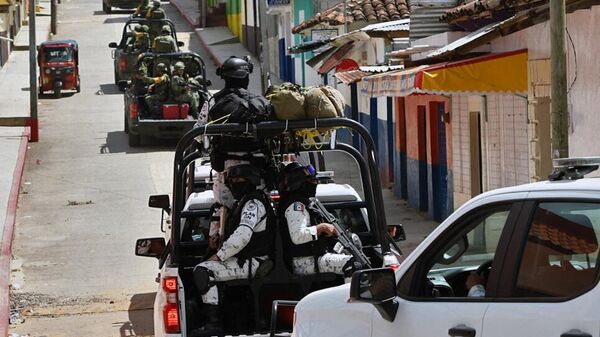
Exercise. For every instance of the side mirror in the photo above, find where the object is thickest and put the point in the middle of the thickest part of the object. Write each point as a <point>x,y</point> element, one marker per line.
<point>396,232</point>
<point>151,247</point>
<point>376,286</point>
<point>180,44</point>
<point>112,45</point>
<point>160,201</point>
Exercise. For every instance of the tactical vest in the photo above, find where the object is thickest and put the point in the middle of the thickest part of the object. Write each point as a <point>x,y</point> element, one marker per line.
<point>261,243</point>
<point>164,44</point>
<point>291,250</point>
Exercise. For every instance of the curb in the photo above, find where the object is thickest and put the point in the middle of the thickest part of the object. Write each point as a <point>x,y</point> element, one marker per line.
<point>205,46</point>
<point>9,228</point>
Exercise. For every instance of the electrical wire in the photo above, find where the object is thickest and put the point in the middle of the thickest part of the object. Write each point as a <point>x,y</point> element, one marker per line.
<point>575,59</point>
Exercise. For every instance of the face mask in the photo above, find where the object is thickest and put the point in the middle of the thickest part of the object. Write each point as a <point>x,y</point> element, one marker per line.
<point>309,189</point>
<point>239,189</point>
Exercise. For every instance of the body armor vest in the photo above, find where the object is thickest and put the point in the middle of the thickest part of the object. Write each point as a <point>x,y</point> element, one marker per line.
<point>261,243</point>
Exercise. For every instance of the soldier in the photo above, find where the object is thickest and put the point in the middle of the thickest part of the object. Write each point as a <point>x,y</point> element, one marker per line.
<point>140,80</point>
<point>141,10</point>
<point>182,88</point>
<point>155,12</point>
<point>159,88</point>
<point>164,43</point>
<point>142,39</point>
<point>304,235</point>
<point>248,242</point>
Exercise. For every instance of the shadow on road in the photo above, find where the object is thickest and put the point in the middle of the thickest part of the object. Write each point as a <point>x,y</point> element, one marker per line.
<point>116,20</point>
<point>118,142</point>
<point>115,11</point>
<point>141,320</point>
<point>110,89</point>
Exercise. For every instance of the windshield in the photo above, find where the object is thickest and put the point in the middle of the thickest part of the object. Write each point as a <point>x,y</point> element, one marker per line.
<point>58,54</point>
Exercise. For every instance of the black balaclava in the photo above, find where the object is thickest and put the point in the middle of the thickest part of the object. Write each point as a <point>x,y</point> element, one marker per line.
<point>239,189</point>
<point>235,83</point>
<point>308,189</point>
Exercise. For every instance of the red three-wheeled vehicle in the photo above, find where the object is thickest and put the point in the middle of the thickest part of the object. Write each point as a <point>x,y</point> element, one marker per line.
<point>59,66</point>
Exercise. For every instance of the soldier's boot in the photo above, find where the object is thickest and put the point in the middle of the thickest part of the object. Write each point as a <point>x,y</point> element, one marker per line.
<point>212,327</point>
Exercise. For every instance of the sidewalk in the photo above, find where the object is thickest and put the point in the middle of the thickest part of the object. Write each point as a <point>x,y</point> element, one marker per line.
<point>220,43</point>
<point>14,85</point>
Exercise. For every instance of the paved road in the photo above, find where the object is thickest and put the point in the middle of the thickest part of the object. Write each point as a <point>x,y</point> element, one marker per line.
<point>84,198</point>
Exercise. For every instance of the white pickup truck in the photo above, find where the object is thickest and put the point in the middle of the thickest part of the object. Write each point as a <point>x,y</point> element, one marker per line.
<point>519,261</point>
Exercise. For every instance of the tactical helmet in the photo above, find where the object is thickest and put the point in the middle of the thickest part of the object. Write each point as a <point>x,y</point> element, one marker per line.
<point>179,65</point>
<point>161,67</point>
<point>165,29</point>
<point>145,28</point>
<point>245,171</point>
<point>235,67</point>
<point>138,28</point>
<point>156,3</point>
<point>294,175</point>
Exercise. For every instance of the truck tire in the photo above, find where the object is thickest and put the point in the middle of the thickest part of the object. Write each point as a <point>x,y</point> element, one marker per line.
<point>117,79</point>
<point>135,140</point>
<point>106,8</point>
<point>126,124</point>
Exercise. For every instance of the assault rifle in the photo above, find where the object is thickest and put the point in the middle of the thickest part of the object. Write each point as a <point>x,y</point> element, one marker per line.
<point>343,235</point>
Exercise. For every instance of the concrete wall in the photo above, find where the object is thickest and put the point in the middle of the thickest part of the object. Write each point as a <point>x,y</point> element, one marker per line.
<point>584,97</point>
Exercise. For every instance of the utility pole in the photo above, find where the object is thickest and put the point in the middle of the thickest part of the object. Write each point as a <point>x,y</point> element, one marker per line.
<point>53,16</point>
<point>264,45</point>
<point>558,67</point>
<point>33,90</point>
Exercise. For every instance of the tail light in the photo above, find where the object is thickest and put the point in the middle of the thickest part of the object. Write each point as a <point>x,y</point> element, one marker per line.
<point>171,307</point>
<point>122,63</point>
<point>133,110</point>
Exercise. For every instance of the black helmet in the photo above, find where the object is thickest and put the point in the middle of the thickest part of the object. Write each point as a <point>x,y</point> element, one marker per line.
<point>246,171</point>
<point>294,175</point>
<point>235,67</point>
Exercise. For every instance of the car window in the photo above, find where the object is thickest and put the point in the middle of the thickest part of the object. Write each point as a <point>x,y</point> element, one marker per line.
<point>351,218</point>
<point>560,254</point>
<point>470,249</point>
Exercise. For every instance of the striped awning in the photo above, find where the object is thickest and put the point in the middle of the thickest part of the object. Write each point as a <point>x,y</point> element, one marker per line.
<point>494,73</point>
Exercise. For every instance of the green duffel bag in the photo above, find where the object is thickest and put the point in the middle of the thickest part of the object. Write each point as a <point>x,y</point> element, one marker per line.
<point>287,100</point>
<point>324,102</point>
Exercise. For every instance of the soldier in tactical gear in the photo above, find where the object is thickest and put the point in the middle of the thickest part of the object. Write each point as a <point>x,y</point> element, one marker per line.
<point>248,242</point>
<point>182,88</point>
<point>142,39</point>
<point>159,88</point>
<point>305,237</point>
<point>164,43</point>
<point>140,80</point>
<point>155,12</point>
<point>141,10</point>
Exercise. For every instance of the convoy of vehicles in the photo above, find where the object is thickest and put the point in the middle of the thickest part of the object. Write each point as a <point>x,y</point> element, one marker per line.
<point>247,303</point>
<point>58,61</point>
<point>125,55</point>
<point>141,121</point>
<point>533,249</point>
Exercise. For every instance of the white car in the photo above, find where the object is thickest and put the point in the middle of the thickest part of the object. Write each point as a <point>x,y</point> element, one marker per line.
<point>519,261</point>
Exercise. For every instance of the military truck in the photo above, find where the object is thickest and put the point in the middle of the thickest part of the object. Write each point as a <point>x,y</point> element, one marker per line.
<point>172,120</point>
<point>247,303</point>
<point>125,55</point>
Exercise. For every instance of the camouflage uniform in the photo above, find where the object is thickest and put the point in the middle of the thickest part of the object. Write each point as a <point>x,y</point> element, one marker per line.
<point>142,39</point>
<point>181,90</point>
<point>253,220</point>
<point>141,10</point>
<point>155,12</point>
<point>301,231</point>
<point>164,43</point>
<point>160,88</point>
<point>140,80</point>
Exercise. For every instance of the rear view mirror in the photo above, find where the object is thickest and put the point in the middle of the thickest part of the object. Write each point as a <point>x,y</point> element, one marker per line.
<point>180,44</point>
<point>151,247</point>
<point>396,232</point>
<point>160,201</point>
<point>112,45</point>
<point>455,251</point>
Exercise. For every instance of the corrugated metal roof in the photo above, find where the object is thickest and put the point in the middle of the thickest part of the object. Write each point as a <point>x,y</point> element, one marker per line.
<point>380,69</point>
<point>402,25</point>
<point>425,20</point>
<point>352,76</point>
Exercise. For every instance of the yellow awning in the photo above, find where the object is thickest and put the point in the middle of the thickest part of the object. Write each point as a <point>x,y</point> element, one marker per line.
<point>494,73</point>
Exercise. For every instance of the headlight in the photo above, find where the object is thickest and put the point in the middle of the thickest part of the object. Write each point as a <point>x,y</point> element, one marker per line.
<point>58,72</point>
<point>47,71</point>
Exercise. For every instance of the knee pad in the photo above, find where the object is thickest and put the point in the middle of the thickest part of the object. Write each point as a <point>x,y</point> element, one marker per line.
<point>351,266</point>
<point>203,279</point>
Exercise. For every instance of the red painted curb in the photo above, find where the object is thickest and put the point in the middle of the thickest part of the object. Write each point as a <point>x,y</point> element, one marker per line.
<point>205,46</point>
<point>7,235</point>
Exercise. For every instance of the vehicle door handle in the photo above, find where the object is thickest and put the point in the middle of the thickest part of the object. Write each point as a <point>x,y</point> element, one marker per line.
<point>462,331</point>
<point>575,333</point>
